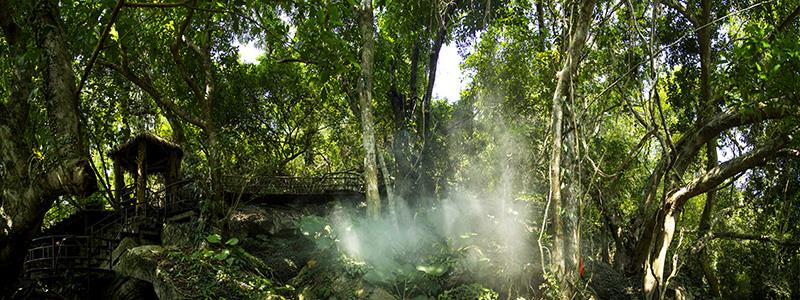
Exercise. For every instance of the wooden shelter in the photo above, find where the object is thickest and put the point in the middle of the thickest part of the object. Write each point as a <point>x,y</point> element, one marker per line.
<point>144,155</point>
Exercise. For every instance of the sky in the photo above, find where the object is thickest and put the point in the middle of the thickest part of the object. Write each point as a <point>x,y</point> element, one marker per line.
<point>449,78</point>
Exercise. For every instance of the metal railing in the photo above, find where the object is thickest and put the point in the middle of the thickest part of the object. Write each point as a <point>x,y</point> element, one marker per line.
<point>51,254</point>
<point>159,205</point>
<point>289,185</point>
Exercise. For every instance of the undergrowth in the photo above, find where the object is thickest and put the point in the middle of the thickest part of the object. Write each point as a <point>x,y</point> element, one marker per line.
<point>221,271</point>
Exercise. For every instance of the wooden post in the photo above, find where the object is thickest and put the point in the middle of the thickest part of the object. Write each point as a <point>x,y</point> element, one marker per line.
<point>119,182</point>
<point>171,178</point>
<point>141,177</point>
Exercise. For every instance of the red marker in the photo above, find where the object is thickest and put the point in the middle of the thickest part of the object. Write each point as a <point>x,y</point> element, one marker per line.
<point>580,266</point>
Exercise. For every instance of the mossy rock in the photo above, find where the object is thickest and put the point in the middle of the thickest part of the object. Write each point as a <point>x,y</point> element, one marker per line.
<point>325,278</point>
<point>143,263</point>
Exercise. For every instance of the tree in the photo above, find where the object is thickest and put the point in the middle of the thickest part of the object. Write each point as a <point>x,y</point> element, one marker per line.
<point>365,102</point>
<point>566,242</point>
<point>186,52</point>
<point>32,181</point>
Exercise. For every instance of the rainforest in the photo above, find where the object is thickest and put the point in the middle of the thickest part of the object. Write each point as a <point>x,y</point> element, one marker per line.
<point>399,149</point>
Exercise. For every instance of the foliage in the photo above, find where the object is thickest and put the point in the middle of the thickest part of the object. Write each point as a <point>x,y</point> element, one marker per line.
<point>411,265</point>
<point>470,291</point>
<point>636,130</point>
<point>223,271</point>
<point>550,286</point>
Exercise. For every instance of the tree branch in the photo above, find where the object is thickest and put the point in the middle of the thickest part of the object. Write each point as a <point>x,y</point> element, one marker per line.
<point>729,235</point>
<point>720,173</point>
<point>146,85</point>
<point>156,5</point>
<point>688,146</point>
<point>795,153</point>
<point>295,60</point>
<point>703,241</point>
<point>785,24</point>
<point>96,52</point>
<point>175,50</point>
<point>680,9</point>
<point>692,142</point>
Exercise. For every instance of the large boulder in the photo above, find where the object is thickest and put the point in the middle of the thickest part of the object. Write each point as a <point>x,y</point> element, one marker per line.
<point>608,283</point>
<point>143,263</point>
<point>129,288</point>
<point>252,220</point>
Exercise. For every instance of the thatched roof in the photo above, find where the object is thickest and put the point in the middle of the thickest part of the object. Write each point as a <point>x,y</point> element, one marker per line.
<point>157,153</point>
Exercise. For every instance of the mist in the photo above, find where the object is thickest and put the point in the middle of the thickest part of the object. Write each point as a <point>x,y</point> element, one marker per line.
<point>484,230</point>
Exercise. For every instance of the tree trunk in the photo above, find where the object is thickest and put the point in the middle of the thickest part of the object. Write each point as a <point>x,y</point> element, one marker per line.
<point>30,187</point>
<point>540,23</point>
<point>561,250</point>
<point>654,265</point>
<point>390,201</point>
<point>654,280</point>
<point>708,108</point>
<point>654,268</point>
<point>705,260</point>
<point>571,198</point>
<point>365,100</point>
<point>555,189</point>
<point>426,184</point>
<point>212,210</point>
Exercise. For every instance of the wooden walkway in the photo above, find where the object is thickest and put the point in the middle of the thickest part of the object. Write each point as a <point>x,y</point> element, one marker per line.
<point>288,185</point>
<point>52,256</point>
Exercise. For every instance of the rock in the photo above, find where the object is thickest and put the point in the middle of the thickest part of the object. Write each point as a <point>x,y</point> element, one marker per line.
<point>285,254</point>
<point>178,234</point>
<point>380,294</point>
<point>142,263</point>
<point>254,220</point>
<point>607,283</point>
<point>124,245</point>
<point>128,288</point>
<point>323,278</point>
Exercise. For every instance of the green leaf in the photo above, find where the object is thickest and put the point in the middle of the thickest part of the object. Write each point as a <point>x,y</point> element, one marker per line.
<point>113,33</point>
<point>222,255</point>
<point>432,270</point>
<point>214,238</point>
<point>232,242</point>
<point>207,253</point>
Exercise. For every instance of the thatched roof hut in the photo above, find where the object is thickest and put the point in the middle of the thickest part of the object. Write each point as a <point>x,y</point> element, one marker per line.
<point>144,155</point>
<point>157,153</point>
